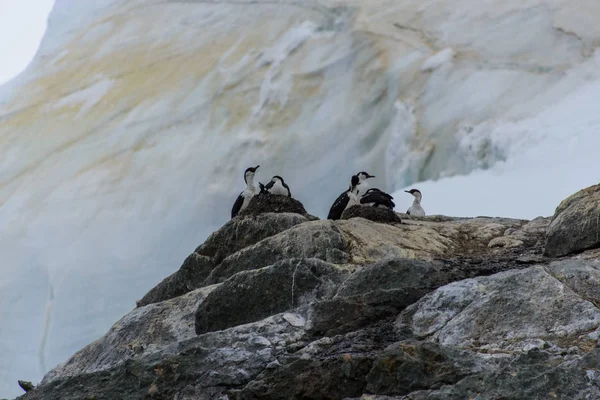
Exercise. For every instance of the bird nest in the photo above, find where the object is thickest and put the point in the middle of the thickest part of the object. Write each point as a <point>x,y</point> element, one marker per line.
<point>270,203</point>
<point>375,214</point>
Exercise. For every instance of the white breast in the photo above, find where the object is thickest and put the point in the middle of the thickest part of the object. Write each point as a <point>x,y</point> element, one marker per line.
<point>353,200</point>
<point>416,210</point>
<point>247,194</point>
<point>279,189</point>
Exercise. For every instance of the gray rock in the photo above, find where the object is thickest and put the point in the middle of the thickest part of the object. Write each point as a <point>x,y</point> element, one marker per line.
<point>253,295</point>
<point>245,230</point>
<point>202,367</point>
<point>506,311</point>
<point>142,332</point>
<point>314,239</point>
<point>535,375</point>
<point>190,276</point>
<point>409,366</point>
<point>375,214</point>
<point>374,292</point>
<point>575,225</point>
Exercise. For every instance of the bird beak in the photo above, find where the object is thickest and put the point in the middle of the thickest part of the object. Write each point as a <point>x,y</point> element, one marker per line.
<point>371,176</point>
<point>407,191</point>
<point>257,167</point>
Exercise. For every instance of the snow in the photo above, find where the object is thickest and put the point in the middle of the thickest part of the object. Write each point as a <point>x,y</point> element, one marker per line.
<point>124,141</point>
<point>547,157</point>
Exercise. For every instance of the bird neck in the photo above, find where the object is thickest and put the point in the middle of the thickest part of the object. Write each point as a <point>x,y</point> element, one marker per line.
<point>417,200</point>
<point>250,183</point>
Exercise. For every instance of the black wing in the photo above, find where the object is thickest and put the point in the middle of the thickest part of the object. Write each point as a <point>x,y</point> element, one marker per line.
<point>408,211</point>
<point>268,186</point>
<point>288,189</point>
<point>237,206</point>
<point>262,187</point>
<point>338,206</point>
<point>377,197</point>
<point>389,196</point>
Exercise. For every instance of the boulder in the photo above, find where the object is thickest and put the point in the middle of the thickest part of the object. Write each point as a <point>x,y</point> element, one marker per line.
<point>374,292</point>
<point>375,214</point>
<point>535,375</point>
<point>315,239</point>
<point>143,332</point>
<point>511,311</point>
<point>246,230</point>
<point>253,295</point>
<point>410,365</point>
<point>575,225</point>
<point>190,276</point>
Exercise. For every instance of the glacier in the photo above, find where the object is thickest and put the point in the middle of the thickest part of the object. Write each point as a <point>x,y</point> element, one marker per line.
<point>123,143</point>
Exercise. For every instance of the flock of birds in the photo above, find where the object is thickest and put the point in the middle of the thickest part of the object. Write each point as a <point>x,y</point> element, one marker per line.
<point>358,193</point>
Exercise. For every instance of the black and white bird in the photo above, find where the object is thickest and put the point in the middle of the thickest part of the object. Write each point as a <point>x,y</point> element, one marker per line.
<point>341,203</point>
<point>377,198</point>
<point>277,186</point>
<point>244,198</point>
<point>416,209</point>
<point>363,185</point>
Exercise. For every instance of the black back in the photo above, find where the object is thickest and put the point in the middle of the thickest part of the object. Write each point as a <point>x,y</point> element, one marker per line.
<point>237,206</point>
<point>339,205</point>
<point>377,197</point>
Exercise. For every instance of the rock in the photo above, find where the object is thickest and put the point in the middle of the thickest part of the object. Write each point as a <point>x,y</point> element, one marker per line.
<point>433,308</point>
<point>408,366</point>
<point>26,385</point>
<point>375,214</point>
<point>190,276</point>
<point>314,239</point>
<point>503,312</point>
<point>330,368</point>
<point>253,295</point>
<point>505,241</point>
<point>223,359</point>
<point>267,203</point>
<point>374,292</point>
<point>143,332</point>
<point>244,231</point>
<point>575,225</point>
<point>536,375</point>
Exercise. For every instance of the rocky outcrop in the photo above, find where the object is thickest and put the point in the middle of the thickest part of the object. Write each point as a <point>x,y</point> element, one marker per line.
<point>431,308</point>
<point>266,291</point>
<point>314,239</point>
<point>576,224</point>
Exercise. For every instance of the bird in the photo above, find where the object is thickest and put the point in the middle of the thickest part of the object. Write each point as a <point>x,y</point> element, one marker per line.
<point>246,195</point>
<point>341,203</point>
<point>416,210</point>
<point>377,198</point>
<point>363,185</point>
<point>277,187</point>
